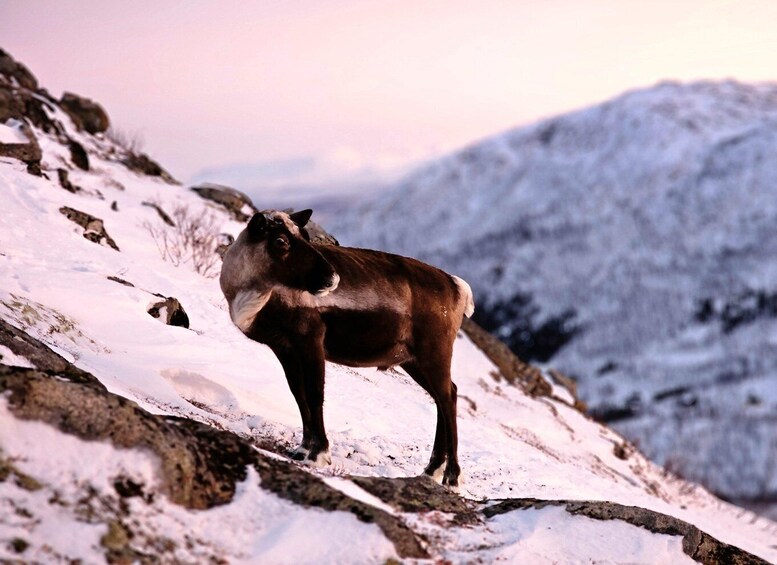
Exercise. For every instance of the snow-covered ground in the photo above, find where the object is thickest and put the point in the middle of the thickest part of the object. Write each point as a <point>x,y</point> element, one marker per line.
<point>54,284</point>
<point>653,219</point>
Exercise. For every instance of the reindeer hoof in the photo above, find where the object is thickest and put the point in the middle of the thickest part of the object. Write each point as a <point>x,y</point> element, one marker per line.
<point>300,453</point>
<point>435,474</point>
<point>435,470</point>
<point>451,480</point>
<point>321,460</point>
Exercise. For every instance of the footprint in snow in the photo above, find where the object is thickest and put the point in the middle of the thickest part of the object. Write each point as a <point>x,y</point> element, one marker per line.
<point>200,391</point>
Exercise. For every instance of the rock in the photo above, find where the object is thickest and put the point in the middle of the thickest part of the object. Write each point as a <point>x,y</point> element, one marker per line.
<point>571,385</point>
<point>224,241</point>
<point>120,281</point>
<point>85,113</point>
<point>420,494</point>
<point>162,214</point>
<point>143,164</point>
<point>511,368</point>
<point>239,205</point>
<point>170,311</point>
<point>19,545</point>
<point>319,235</point>
<point>28,152</point>
<point>42,357</point>
<point>14,70</point>
<point>65,183</point>
<point>35,113</point>
<point>94,230</point>
<point>78,155</point>
<point>9,106</point>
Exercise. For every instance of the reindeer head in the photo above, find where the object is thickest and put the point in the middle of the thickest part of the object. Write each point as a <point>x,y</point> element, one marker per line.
<point>274,251</point>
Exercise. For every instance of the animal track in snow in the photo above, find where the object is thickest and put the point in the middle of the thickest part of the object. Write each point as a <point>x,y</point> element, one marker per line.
<point>202,392</point>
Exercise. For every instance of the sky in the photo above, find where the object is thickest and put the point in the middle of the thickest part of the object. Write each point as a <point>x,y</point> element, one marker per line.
<point>367,84</point>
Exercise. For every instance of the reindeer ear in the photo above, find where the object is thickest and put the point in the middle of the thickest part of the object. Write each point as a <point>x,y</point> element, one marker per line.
<point>257,227</point>
<point>302,217</point>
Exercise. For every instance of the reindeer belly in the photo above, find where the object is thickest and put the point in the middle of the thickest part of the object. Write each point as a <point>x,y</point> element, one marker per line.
<point>367,338</point>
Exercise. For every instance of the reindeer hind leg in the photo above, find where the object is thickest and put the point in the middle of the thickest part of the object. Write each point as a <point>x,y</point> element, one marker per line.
<point>437,458</point>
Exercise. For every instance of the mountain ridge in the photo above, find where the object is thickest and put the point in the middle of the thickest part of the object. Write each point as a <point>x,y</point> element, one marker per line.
<point>605,232</point>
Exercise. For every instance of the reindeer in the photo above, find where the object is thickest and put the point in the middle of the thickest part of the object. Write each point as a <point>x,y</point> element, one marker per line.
<point>357,307</point>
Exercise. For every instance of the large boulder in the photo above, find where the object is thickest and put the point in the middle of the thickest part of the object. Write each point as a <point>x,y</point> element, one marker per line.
<point>239,205</point>
<point>17,72</point>
<point>143,164</point>
<point>87,114</point>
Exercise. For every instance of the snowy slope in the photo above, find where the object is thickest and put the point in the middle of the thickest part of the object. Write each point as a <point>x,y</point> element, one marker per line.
<point>54,285</point>
<point>645,230</point>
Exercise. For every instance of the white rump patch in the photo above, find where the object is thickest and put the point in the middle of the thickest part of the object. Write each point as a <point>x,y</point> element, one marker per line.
<point>466,294</point>
<point>246,306</point>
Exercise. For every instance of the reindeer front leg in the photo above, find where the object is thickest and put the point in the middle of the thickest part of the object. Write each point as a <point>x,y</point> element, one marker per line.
<point>292,367</point>
<point>312,360</point>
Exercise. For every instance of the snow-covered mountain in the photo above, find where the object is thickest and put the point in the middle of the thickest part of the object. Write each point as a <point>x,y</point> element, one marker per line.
<point>128,439</point>
<point>634,244</point>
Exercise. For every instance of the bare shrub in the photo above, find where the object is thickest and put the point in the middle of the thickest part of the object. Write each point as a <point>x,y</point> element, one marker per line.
<point>192,239</point>
<point>131,141</point>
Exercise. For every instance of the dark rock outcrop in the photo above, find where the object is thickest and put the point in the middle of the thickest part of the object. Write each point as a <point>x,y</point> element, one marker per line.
<point>121,281</point>
<point>65,183</point>
<point>170,312</point>
<point>85,113</point>
<point>143,164</point>
<point>44,359</point>
<point>239,205</point>
<point>319,235</point>
<point>511,368</point>
<point>13,69</point>
<point>421,494</point>
<point>162,214</point>
<point>78,155</point>
<point>94,230</point>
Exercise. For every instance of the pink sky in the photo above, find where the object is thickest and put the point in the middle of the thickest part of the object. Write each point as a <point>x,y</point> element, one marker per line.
<point>376,82</point>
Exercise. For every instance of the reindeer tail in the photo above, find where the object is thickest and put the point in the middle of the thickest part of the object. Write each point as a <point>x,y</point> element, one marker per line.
<point>465,293</point>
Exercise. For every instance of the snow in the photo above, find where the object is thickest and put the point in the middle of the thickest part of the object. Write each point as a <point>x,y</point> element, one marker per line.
<point>10,132</point>
<point>8,357</point>
<point>53,284</point>
<point>551,535</point>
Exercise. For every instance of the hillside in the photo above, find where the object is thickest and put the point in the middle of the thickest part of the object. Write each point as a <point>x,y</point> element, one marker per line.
<point>126,438</point>
<point>632,246</point>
